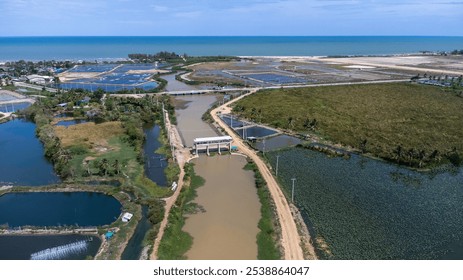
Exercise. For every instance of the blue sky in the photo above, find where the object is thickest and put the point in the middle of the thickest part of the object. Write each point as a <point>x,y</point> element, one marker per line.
<point>231,17</point>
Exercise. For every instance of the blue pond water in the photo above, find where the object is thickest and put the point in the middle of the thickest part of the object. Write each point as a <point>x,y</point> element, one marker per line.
<point>10,108</point>
<point>250,130</point>
<point>71,122</point>
<point>277,142</point>
<point>100,68</point>
<point>276,79</point>
<point>109,87</point>
<point>58,209</point>
<point>20,247</point>
<point>6,97</point>
<point>233,122</point>
<point>255,131</point>
<point>22,156</point>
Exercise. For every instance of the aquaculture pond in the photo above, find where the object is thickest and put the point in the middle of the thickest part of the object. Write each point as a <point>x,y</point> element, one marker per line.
<point>361,208</point>
<point>13,107</point>
<point>100,68</point>
<point>276,142</point>
<point>22,156</point>
<point>276,78</point>
<point>155,163</point>
<point>110,84</point>
<point>255,131</point>
<point>49,247</point>
<point>81,209</point>
<point>233,121</point>
<point>246,129</point>
<point>113,77</point>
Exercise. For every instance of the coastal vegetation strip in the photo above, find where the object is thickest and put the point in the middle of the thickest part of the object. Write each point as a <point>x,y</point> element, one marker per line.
<point>407,123</point>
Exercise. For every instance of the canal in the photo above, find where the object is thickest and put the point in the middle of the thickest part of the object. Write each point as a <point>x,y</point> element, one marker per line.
<point>155,163</point>
<point>227,227</point>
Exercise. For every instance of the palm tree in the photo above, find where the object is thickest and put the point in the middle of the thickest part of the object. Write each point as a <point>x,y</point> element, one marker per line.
<point>87,163</point>
<point>117,166</point>
<point>421,157</point>
<point>290,122</point>
<point>104,166</point>
<point>363,146</point>
<point>398,153</point>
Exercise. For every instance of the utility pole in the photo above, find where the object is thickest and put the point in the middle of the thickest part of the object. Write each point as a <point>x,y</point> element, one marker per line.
<point>292,192</point>
<point>276,169</point>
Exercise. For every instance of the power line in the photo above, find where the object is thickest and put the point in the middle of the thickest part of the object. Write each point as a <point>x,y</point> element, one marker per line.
<point>292,192</point>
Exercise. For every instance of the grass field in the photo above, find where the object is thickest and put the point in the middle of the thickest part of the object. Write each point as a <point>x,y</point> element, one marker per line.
<point>90,142</point>
<point>88,134</point>
<point>416,118</point>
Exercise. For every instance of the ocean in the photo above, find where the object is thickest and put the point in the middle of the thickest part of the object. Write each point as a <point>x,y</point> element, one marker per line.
<point>109,48</point>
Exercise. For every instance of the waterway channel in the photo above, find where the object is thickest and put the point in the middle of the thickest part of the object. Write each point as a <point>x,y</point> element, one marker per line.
<point>227,228</point>
<point>189,113</point>
<point>155,163</point>
<point>174,85</point>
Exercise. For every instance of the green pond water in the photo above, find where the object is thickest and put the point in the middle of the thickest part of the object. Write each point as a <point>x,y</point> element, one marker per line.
<point>369,209</point>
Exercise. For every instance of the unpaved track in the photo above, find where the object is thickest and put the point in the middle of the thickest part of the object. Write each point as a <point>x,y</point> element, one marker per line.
<point>290,239</point>
<point>182,156</point>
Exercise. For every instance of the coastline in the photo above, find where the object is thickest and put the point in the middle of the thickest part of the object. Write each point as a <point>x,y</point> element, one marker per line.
<point>111,48</point>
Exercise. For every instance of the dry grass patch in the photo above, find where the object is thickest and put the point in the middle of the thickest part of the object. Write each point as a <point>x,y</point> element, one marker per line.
<point>89,134</point>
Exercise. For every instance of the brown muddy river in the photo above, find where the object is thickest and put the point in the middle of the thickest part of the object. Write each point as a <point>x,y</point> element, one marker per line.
<point>174,85</point>
<point>228,227</point>
<point>189,116</point>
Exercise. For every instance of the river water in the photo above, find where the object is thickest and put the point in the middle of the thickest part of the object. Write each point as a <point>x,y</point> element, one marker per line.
<point>189,116</point>
<point>174,85</point>
<point>228,227</point>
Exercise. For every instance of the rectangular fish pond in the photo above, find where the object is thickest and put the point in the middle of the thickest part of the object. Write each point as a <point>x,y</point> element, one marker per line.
<point>58,209</point>
<point>361,208</point>
<point>48,247</point>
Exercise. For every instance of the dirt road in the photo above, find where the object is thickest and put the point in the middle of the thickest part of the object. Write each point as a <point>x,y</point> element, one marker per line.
<point>182,155</point>
<point>290,239</point>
